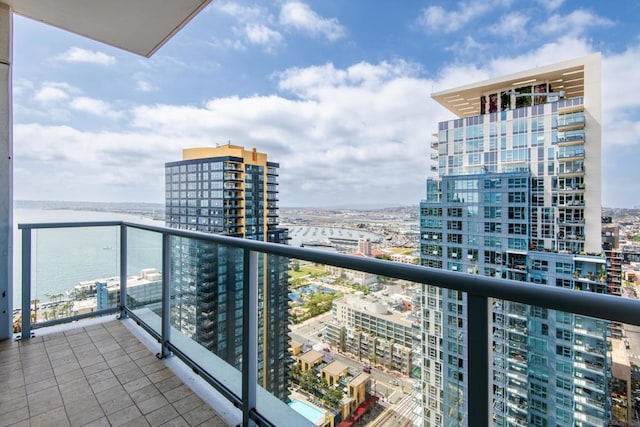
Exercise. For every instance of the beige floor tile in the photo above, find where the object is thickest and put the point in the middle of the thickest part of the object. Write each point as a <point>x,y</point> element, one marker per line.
<point>136,384</point>
<point>124,416</point>
<point>15,416</point>
<point>176,422</point>
<point>55,417</point>
<point>95,376</point>
<point>151,404</point>
<point>162,415</point>
<point>169,384</point>
<point>188,403</point>
<point>44,401</point>
<point>198,415</point>
<point>18,402</point>
<point>41,385</point>
<point>96,367</point>
<point>178,393</point>
<point>84,411</point>
<point>144,393</point>
<point>100,422</point>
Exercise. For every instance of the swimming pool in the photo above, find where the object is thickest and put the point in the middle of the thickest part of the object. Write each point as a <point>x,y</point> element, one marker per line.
<point>306,410</point>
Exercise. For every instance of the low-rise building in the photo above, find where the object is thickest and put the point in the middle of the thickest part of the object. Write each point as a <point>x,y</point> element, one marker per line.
<point>332,375</point>
<point>365,327</point>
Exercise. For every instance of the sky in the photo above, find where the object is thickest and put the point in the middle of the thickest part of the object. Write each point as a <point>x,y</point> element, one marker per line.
<point>337,92</point>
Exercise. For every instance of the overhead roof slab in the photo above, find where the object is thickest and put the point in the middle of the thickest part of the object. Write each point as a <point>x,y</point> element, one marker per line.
<point>138,26</point>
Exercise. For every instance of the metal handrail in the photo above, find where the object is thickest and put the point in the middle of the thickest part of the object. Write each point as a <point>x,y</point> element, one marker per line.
<point>607,307</point>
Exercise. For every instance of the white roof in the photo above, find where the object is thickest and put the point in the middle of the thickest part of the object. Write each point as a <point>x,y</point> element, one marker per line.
<point>138,26</point>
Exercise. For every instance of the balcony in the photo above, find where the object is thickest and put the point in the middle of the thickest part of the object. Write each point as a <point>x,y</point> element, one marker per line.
<point>96,372</point>
<point>571,137</point>
<point>568,155</point>
<point>238,386</point>
<point>571,121</point>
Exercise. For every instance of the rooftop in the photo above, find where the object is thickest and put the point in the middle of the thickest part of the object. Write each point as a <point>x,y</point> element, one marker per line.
<point>311,356</point>
<point>464,101</point>
<point>335,368</point>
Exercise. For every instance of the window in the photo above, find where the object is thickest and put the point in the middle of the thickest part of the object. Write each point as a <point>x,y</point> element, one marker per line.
<point>564,351</point>
<point>517,197</point>
<point>517,212</point>
<point>563,383</point>
<point>493,183</point>
<point>492,212</point>
<point>492,227</point>
<point>518,229</point>
<point>563,334</point>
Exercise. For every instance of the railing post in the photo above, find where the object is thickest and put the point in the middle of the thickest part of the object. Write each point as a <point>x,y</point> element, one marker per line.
<point>123,272</point>
<point>26,283</point>
<point>166,295</point>
<point>249,336</point>
<point>478,323</point>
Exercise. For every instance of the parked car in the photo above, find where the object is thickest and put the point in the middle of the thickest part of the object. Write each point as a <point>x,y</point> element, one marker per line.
<point>394,382</point>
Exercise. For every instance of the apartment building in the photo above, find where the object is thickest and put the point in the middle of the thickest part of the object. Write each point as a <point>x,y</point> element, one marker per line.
<point>366,328</point>
<point>517,196</point>
<point>232,191</point>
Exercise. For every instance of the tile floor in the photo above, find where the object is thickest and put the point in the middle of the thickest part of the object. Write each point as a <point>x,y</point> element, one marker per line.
<point>99,375</point>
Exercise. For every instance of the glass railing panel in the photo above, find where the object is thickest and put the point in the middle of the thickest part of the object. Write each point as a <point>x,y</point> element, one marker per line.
<point>206,306</point>
<point>563,372</point>
<point>353,342</point>
<point>73,271</point>
<point>144,276</point>
<point>278,394</point>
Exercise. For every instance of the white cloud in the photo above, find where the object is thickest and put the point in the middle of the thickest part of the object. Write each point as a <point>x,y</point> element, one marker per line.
<point>54,91</point>
<point>301,17</point>
<point>468,46</point>
<point>254,26</point>
<point>77,54</point>
<point>145,86</point>
<point>262,35</point>
<point>94,106</point>
<point>21,86</point>
<point>573,24</point>
<point>360,130</point>
<point>228,44</point>
<point>436,19</point>
<point>349,131</point>
<point>241,13</point>
<point>551,4</point>
<point>131,164</point>
<point>512,25</point>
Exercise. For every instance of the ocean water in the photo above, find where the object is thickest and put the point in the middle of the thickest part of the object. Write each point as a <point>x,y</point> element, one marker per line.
<point>61,258</point>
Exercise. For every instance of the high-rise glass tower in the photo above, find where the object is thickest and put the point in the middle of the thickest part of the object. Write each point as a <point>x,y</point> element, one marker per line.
<point>517,196</point>
<point>232,191</point>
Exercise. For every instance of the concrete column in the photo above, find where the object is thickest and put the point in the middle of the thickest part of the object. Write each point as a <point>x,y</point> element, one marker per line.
<point>6,176</point>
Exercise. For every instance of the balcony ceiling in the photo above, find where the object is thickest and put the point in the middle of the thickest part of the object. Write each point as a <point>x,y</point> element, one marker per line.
<point>138,26</point>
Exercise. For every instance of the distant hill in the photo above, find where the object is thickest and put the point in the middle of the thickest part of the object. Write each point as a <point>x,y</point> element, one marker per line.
<point>151,210</point>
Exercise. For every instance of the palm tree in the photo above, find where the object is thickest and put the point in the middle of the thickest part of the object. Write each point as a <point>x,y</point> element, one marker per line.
<point>34,316</point>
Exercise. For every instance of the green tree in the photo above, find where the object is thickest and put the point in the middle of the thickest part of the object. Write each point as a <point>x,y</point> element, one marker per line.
<point>309,381</point>
<point>333,396</point>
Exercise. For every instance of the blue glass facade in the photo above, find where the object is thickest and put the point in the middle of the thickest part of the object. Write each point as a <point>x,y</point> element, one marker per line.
<point>510,201</point>
<point>229,196</point>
